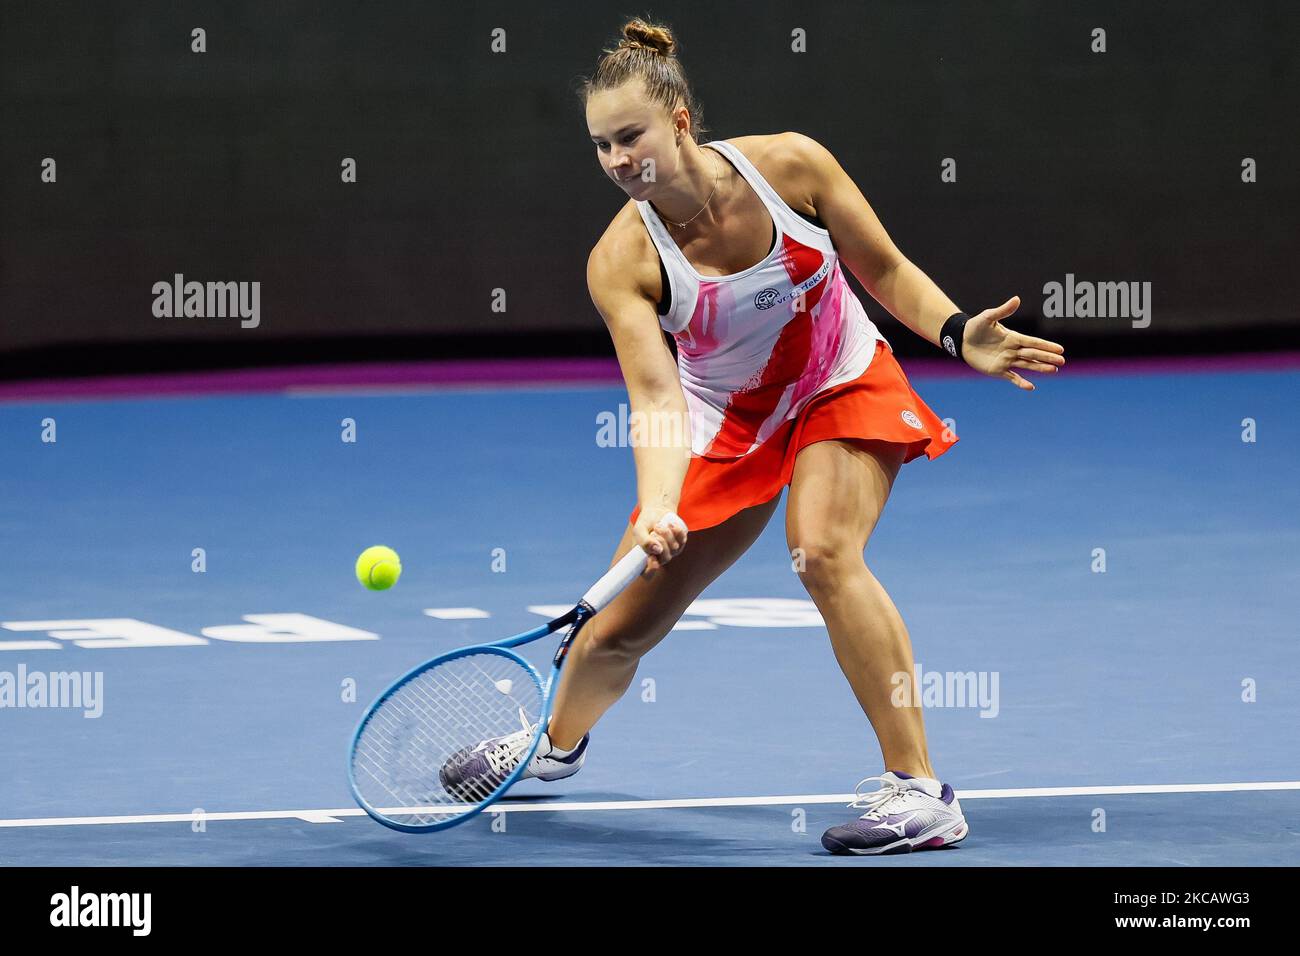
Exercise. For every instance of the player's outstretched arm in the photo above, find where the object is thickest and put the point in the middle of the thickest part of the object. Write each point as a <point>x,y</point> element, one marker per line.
<point>660,423</point>
<point>898,284</point>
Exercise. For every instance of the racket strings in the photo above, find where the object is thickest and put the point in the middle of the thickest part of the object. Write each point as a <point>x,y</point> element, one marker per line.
<point>405,756</point>
<point>445,715</point>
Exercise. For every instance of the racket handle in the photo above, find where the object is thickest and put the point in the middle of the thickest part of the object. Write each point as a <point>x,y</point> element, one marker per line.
<point>627,570</point>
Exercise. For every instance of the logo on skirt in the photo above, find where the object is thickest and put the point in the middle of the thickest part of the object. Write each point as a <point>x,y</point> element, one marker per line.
<point>909,416</point>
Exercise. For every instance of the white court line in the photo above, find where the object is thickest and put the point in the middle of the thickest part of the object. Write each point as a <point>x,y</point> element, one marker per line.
<point>333,816</point>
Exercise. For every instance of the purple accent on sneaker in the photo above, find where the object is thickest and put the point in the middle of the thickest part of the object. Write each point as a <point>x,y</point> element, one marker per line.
<point>467,775</point>
<point>894,832</point>
<point>874,834</point>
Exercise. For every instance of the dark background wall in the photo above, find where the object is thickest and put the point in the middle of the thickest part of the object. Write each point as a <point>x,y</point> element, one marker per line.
<point>476,172</point>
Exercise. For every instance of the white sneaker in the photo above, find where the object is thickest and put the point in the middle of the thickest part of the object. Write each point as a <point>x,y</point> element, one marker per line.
<point>474,772</point>
<point>907,813</point>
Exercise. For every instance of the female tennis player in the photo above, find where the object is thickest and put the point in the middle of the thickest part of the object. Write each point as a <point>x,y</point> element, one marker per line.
<point>734,248</point>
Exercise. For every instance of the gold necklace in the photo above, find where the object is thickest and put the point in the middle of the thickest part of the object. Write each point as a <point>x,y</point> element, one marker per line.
<point>683,225</point>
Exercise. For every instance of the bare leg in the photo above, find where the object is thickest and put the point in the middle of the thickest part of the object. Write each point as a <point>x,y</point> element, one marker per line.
<point>836,495</point>
<point>605,654</point>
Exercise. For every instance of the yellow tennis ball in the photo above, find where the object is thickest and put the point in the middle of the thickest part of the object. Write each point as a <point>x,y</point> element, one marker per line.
<point>378,568</point>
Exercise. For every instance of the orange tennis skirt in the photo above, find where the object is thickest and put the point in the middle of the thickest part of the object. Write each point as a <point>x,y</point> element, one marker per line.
<point>879,405</point>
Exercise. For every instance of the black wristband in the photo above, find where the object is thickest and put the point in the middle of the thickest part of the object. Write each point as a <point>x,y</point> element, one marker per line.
<point>951,333</point>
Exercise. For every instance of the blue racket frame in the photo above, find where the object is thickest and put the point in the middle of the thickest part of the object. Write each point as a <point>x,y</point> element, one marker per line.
<point>576,618</point>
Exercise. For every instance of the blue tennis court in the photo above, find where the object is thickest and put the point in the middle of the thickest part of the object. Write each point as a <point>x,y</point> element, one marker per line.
<point>1141,714</point>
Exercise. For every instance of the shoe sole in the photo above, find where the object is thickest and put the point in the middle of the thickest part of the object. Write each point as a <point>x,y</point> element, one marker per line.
<point>905,845</point>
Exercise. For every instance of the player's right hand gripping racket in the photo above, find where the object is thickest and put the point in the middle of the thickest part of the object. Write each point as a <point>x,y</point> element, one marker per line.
<point>448,738</point>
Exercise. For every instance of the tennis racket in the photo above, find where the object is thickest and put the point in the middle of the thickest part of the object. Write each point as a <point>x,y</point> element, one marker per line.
<point>449,737</point>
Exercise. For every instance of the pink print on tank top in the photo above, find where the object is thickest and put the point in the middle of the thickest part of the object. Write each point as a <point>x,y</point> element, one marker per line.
<point>709,324</point>
<point>802,359</point>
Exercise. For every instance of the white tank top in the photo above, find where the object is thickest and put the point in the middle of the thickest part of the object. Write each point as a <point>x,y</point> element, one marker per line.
<point>754,347</point>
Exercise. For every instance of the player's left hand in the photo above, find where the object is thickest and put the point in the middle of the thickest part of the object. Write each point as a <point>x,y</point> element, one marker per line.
<point>992,348</point>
